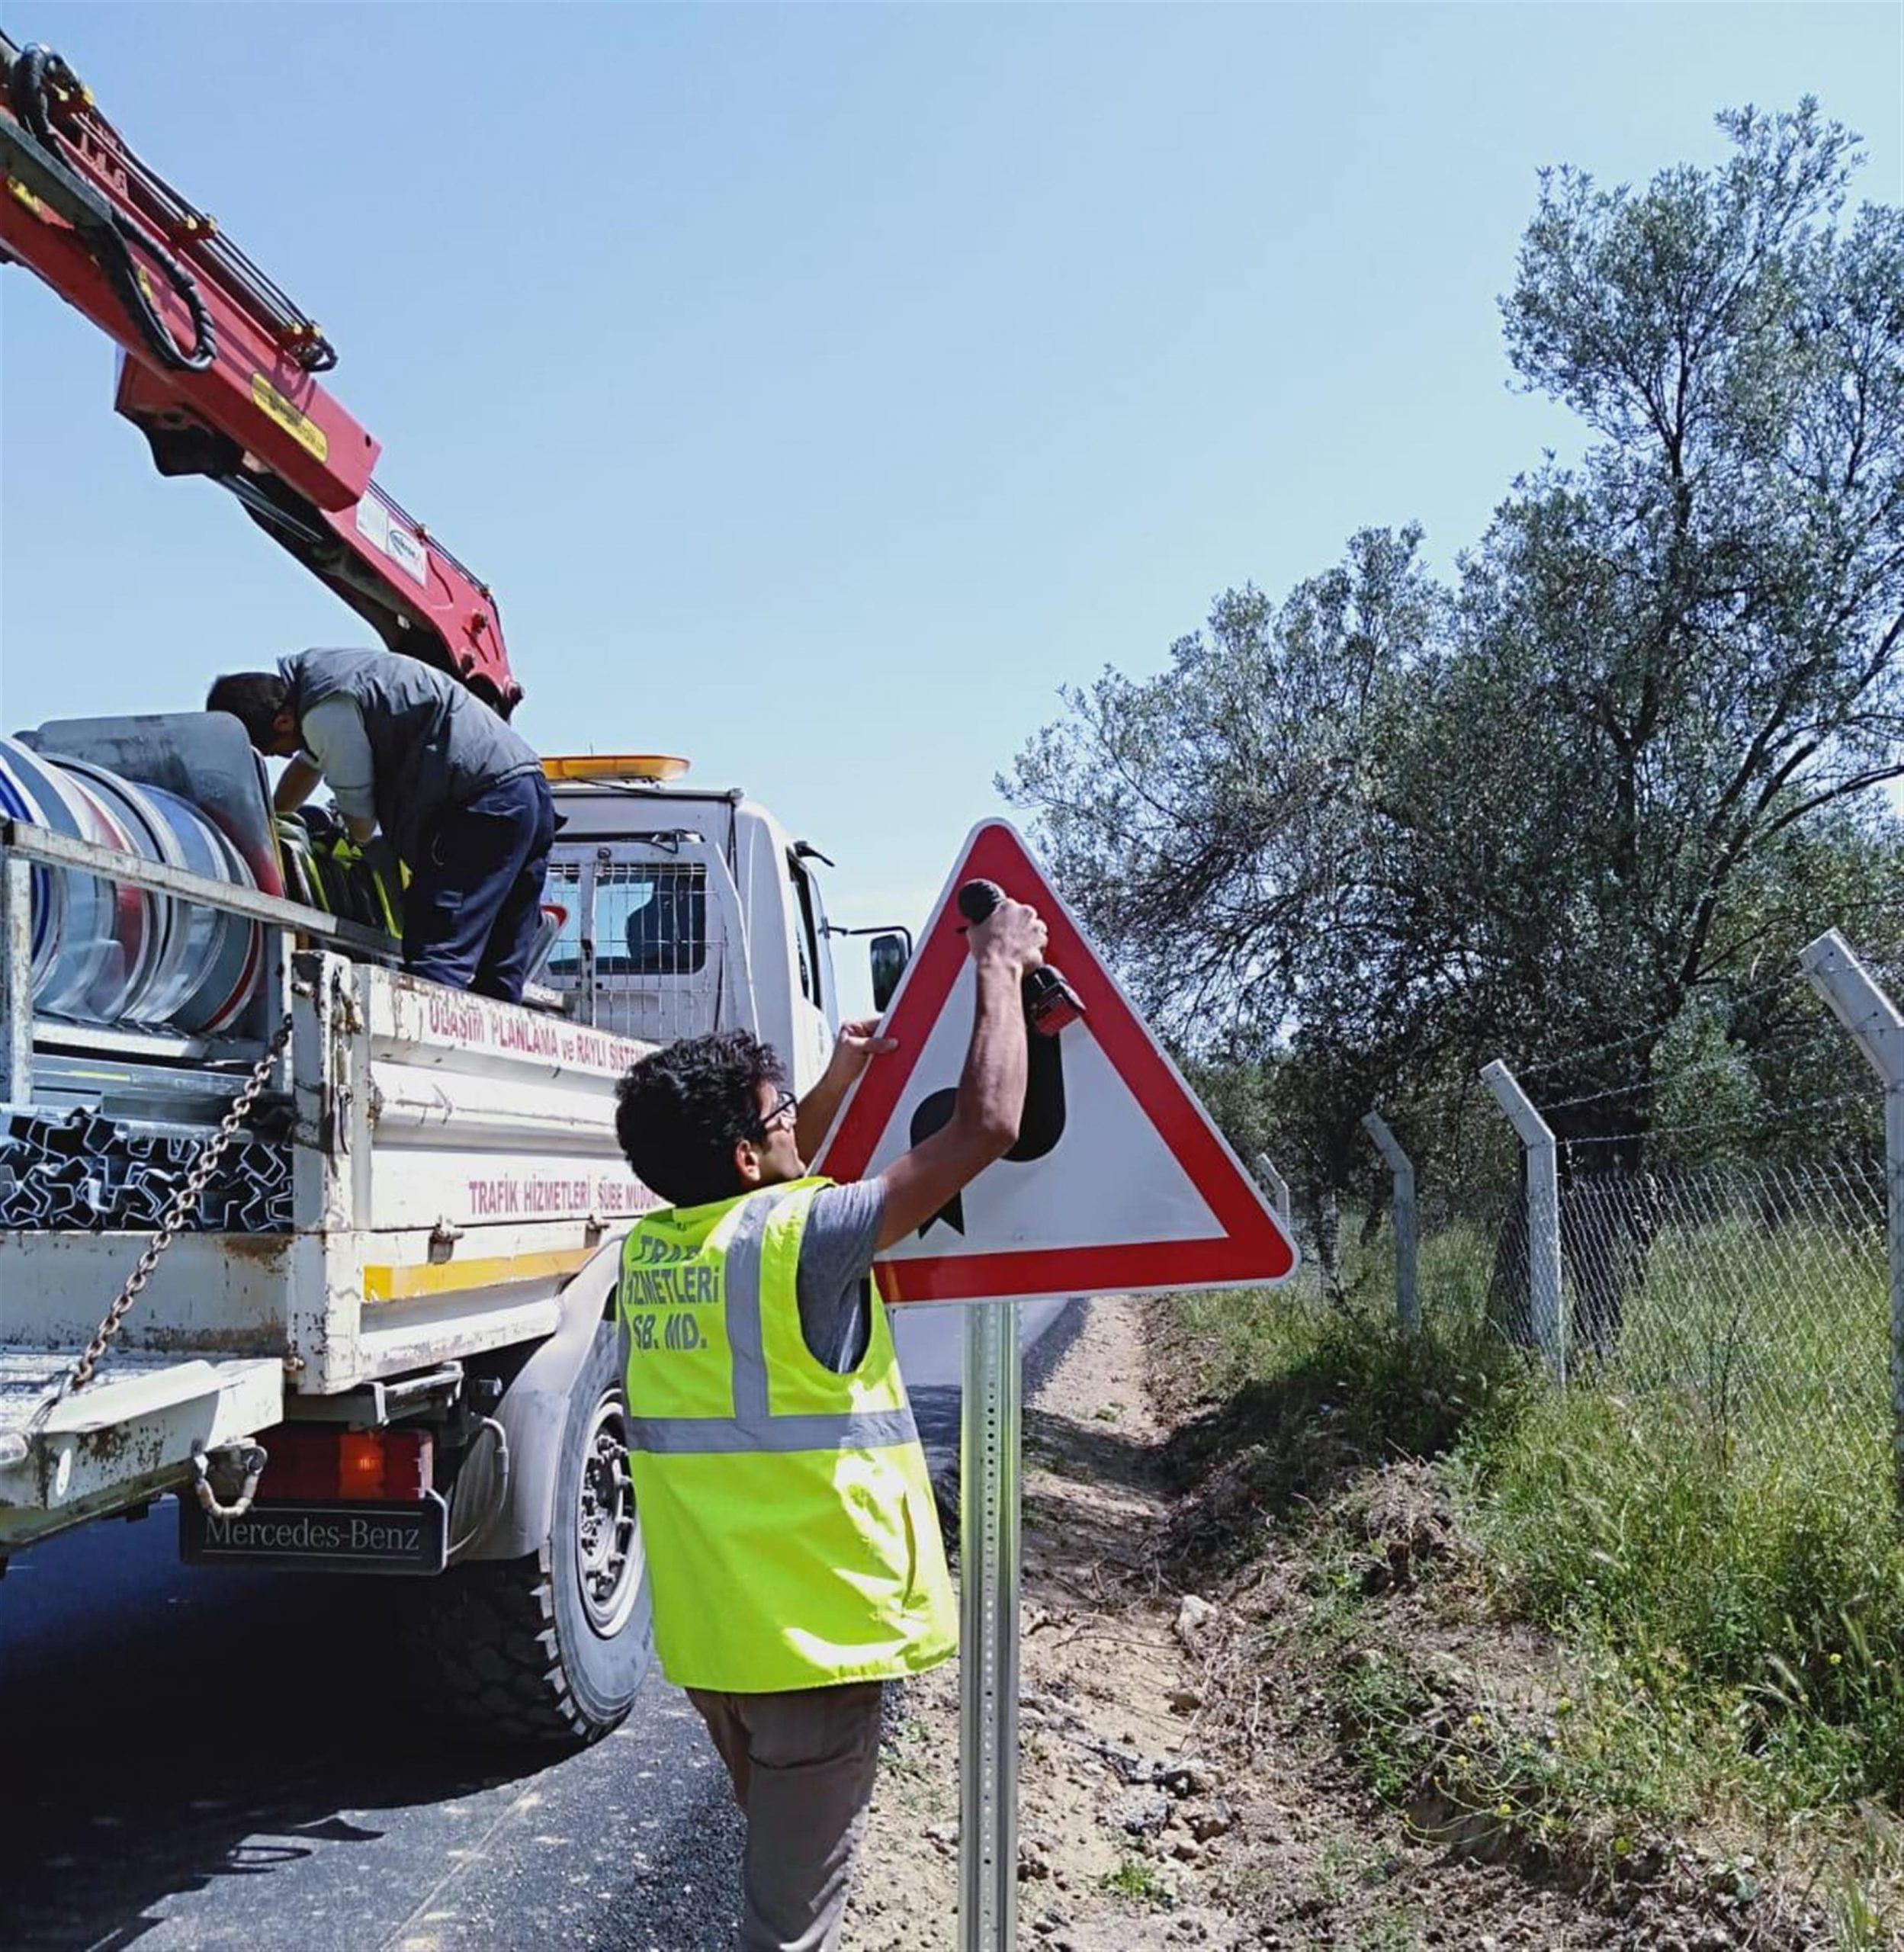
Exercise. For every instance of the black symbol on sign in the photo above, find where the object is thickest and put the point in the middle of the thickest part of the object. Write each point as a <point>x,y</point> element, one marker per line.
<point>1039,1130</point>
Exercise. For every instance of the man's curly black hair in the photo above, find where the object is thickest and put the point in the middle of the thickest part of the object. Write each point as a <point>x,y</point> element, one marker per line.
<point>682,1110</point>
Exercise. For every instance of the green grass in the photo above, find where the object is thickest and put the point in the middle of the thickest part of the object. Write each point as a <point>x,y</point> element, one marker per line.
<point>1754,1589</point>
<point>1381,1392</point>
<point>1705,1521</point>
<point>1767,1336</point>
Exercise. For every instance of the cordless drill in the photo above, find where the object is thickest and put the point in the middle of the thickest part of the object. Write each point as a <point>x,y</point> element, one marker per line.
<point>1050,1002</point>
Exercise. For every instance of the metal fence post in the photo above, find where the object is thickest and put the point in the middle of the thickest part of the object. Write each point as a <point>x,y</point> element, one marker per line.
<point>1407,1304</point>
<point>1276,1185</point>
<point>1544,1215</point>
<point>1873,1019</point>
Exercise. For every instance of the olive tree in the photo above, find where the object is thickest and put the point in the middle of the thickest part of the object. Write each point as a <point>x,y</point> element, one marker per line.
<point>1388,826</point>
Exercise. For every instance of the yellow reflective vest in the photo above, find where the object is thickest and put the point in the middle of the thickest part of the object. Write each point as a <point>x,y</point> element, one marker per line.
<point>786,1514</point>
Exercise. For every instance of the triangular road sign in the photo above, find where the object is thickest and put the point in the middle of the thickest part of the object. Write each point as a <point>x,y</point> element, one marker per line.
<point>1139,1193</point>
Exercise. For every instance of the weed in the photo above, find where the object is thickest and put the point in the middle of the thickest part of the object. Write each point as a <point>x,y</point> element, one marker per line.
<point>1347,1863</point>
<point>1137,1881</point>
<point>1856,1924</point>
<point>1314,1397</point>
<point>905,1751</point>
<point>1393,1928</point>
<point>1737,1594</point>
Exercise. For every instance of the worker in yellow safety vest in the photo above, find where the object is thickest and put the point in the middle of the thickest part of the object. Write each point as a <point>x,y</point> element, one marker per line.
<point>794,1562</point>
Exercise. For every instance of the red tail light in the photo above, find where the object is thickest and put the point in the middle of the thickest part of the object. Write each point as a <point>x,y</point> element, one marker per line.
<point>314,1461</point>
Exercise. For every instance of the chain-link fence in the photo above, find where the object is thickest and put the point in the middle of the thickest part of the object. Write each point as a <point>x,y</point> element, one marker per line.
<point>1757,1297</point>
<point>1750,1302</point>
<point>1739,1290</point>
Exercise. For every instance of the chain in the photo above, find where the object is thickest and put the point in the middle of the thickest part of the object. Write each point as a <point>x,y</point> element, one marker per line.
<point>183,1203</point>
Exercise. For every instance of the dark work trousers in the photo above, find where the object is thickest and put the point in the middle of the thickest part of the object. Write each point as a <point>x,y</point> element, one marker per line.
<point>802,1765</point>
<point>474,906</point>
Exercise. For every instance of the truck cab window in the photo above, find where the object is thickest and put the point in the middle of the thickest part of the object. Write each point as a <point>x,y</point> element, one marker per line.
<point>650,919</point>
<point>807,935</point>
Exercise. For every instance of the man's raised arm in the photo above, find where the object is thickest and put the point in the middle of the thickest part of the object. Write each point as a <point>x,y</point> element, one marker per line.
<point>990,1099</point>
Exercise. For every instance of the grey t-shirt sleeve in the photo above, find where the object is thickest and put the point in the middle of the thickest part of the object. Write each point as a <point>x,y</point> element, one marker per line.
<point>336,742</point>
<point>834,1281</point>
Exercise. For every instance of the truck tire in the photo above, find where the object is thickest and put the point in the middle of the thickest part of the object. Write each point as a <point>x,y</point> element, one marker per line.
<point>554,1647</point>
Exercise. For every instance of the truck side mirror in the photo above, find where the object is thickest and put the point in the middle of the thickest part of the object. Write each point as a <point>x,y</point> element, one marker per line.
<point>889,955</point>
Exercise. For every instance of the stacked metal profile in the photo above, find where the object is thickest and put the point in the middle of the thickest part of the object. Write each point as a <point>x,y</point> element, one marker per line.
<point>106,954</point>
<point>82,1170</point>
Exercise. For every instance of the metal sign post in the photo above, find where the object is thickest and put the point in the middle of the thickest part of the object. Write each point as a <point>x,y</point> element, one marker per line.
<point>989,1487</point>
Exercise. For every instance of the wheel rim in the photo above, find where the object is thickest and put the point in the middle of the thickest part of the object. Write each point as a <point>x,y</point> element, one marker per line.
<point>608,1542</point>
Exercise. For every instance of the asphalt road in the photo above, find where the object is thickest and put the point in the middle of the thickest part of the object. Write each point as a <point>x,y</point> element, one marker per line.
<point>190,1762</point>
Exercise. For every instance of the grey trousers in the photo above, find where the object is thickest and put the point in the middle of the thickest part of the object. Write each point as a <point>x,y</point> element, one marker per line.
<point>803,1765</point>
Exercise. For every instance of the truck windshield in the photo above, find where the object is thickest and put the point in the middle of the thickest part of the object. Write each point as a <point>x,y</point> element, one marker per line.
<point>650,920</point>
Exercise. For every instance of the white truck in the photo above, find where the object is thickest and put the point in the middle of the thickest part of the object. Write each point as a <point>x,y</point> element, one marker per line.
<point>414,1369</point>
<point>327,1250</point>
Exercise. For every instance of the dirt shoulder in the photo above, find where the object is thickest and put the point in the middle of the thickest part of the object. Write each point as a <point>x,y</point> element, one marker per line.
<point>1185,1782</point>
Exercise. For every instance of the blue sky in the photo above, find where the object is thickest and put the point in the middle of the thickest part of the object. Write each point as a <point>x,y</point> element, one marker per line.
<point>821,388</point>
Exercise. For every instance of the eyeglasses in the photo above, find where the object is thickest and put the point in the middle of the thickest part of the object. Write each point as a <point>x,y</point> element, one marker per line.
<point>782,1113</point>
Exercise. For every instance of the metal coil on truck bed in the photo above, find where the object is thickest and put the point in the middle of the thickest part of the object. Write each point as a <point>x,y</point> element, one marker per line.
<point>104,953</point>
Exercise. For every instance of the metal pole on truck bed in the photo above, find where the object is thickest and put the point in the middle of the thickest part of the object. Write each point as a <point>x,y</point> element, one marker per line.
<point>16,979</point>
<point>989,1488</point>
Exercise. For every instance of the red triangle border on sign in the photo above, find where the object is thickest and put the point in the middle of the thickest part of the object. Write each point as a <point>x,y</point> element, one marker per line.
<point>1253,1248</point>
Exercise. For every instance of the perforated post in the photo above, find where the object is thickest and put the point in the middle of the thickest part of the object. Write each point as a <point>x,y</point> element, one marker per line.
<point>1872,1018</point>
<point>1543,1215</point>
<point>1407,1305</point>
<point>989,1487</point>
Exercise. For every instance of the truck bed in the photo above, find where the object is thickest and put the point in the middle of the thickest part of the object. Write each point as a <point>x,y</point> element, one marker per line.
<point>453,1162</point>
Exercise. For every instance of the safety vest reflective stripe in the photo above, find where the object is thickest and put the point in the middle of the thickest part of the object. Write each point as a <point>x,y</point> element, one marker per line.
<point>752,1427</point>
<point>863,1429</point>
<point>744,1339</point>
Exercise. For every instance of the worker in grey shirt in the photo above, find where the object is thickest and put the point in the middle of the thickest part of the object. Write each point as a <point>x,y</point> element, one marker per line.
<point>460,796</point>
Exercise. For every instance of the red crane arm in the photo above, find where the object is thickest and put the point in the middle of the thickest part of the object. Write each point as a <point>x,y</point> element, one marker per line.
<point>220,370</point>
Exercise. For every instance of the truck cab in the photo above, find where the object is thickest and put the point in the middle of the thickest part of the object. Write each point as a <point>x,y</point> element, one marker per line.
<point>674,910</point>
